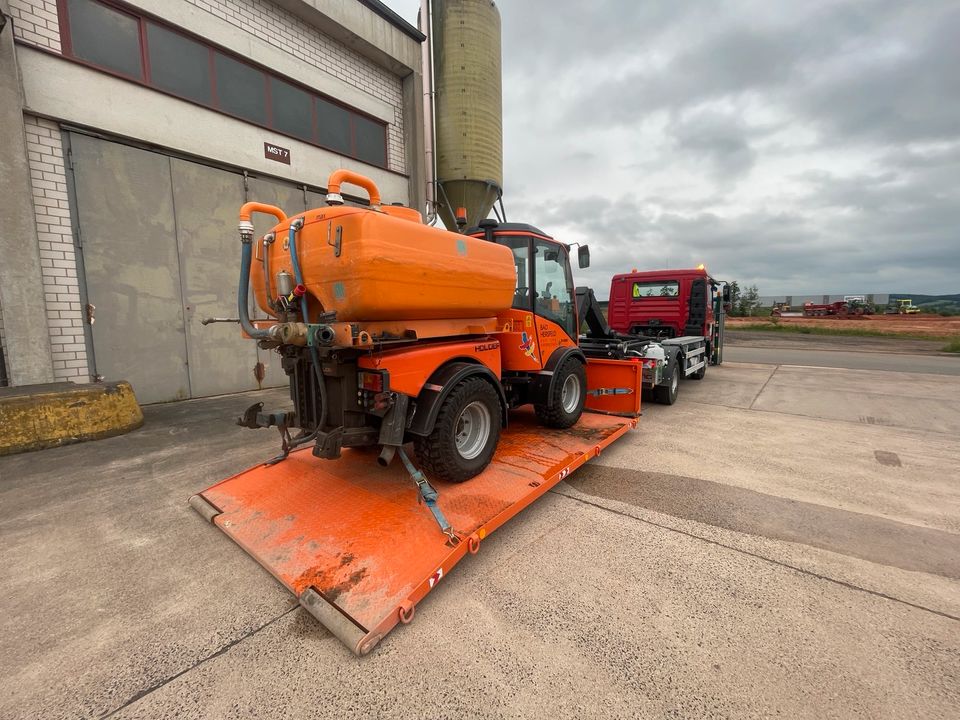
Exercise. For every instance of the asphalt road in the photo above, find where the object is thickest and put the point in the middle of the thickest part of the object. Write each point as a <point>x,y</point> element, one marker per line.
<point>896,362</point>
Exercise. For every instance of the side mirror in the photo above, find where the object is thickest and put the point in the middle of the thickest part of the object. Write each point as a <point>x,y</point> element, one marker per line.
<point>726,294</point>
<point>583,256</point>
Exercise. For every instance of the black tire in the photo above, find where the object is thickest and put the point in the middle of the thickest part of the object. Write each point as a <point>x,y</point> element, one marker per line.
<point>440,453</point>
<point>667,394</point>
<point>553,414</point>
<point>698,375</point>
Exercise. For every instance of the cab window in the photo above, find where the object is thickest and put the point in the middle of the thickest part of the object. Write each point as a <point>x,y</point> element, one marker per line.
<point>554,285</point>
<point>521,266</point>
<point>660,289</point>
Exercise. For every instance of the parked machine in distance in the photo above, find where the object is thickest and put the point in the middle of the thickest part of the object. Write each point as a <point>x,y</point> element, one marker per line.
<point>858,305</point>
<point>852,306</point>
<point>682,310</point>
<point>901,306</point>
<point>838,308</point>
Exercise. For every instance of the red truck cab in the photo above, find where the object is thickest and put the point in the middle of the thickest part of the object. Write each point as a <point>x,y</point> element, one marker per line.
<point>662,303</point>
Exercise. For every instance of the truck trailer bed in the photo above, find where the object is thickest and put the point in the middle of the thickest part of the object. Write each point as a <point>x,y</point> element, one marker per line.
<point>350,539</point>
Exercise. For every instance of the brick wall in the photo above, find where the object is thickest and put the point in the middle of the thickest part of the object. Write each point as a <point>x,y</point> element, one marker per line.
<point>35,21</point>
<point>58,264</point>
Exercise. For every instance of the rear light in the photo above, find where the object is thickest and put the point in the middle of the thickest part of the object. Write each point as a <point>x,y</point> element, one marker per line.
<point>372,381</point>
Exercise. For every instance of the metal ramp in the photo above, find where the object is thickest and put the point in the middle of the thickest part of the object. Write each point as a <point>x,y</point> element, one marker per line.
<point>350,539</point>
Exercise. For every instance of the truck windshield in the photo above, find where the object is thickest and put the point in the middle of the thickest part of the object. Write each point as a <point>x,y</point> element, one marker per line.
<point>660,289</point>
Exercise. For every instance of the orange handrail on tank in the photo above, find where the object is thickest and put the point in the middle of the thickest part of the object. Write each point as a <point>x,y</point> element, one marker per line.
<point>338,177</point>
<point>251,207</point>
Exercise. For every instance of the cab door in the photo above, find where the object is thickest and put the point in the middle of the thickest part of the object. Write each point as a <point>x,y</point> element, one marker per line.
<point>554,299</point>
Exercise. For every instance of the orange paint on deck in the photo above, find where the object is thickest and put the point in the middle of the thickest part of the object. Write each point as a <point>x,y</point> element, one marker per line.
<point>356,534</point>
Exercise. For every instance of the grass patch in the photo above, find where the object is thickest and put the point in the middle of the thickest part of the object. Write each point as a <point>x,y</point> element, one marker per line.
<point>952,347</point>
<point>770,327</point>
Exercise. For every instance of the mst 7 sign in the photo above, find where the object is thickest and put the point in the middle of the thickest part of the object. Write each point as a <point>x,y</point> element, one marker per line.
<point>275,152</point>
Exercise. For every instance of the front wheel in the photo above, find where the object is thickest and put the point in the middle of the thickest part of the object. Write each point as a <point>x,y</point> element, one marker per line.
<point>564,406</point>
<point>465,435</point>
<point>667,394</point>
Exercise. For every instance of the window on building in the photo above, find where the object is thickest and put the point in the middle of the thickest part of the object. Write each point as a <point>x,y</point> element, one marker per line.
<point>104,36</point>
<point>241,89</point>
<point>179,65</point>
<point>370,141</point>
<point>292,110</point>
<point>113,37</point>
<point>333,126</point>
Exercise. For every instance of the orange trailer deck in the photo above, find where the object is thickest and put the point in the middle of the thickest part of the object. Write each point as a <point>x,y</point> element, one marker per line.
<point>350,539</point>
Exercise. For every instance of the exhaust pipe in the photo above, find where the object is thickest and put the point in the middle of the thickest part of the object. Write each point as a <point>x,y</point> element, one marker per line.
<point>386,455</point>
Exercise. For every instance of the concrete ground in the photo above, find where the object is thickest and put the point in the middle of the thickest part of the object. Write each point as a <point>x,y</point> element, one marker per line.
<point>783,541</point>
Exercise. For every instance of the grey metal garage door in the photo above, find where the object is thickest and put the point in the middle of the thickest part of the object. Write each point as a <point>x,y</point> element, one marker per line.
<point>161,253</point>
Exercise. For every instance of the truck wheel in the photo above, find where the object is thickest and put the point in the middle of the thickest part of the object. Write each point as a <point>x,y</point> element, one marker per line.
<point>698,375</point>
<point>465,435</point>
<point>667,394</point>
<point>565,404</point>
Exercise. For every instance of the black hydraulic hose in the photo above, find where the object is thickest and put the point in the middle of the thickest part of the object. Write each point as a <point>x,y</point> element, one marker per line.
<point>311,340</point>
<point>243,291</point>
<point>321,385</point>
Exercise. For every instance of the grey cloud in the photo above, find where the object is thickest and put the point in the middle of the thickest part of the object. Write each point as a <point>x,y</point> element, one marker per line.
<point>720,139</point>
<point>805,147</point>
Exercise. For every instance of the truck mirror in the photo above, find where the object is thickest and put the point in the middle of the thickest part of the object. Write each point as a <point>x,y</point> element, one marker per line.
<point>726,294</point>
<point>583,256</point>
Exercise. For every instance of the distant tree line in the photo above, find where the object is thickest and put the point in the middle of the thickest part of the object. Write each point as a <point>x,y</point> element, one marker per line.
<point>743,303</point>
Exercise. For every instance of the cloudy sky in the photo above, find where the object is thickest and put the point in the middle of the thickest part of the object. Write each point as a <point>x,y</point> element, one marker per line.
<point>805,147</point>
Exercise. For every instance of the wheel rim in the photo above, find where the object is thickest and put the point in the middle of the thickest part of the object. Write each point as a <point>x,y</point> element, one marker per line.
<point>674,381</point>
<point>473,430</point>
<point>570,394</point>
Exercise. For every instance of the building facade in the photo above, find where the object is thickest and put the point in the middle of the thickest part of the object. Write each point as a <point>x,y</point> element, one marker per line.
<point>133,131</point>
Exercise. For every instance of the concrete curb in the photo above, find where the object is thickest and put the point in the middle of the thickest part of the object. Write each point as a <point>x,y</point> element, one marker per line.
<point>33,417</point>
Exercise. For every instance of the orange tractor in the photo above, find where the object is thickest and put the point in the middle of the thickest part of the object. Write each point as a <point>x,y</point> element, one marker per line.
<point>395,333</point>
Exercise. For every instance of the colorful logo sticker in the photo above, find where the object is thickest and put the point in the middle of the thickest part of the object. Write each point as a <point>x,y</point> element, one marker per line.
<point>527,345</point>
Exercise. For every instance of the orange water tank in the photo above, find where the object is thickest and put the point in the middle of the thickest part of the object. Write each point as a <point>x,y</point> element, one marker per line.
<point>385,264</point>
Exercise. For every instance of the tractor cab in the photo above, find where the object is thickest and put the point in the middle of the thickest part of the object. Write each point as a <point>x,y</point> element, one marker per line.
<point>544,278</point>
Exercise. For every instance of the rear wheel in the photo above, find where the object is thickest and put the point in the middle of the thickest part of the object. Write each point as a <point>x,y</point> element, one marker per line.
<point>565,404</point>
<point>698,375</point>
<point>465,435</point>
<point>667,394</point>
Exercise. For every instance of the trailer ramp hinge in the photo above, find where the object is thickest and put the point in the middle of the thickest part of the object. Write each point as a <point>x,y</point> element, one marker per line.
<point>429,495</point>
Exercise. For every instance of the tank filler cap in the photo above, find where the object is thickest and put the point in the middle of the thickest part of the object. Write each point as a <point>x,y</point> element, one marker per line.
<point>334,199</point>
